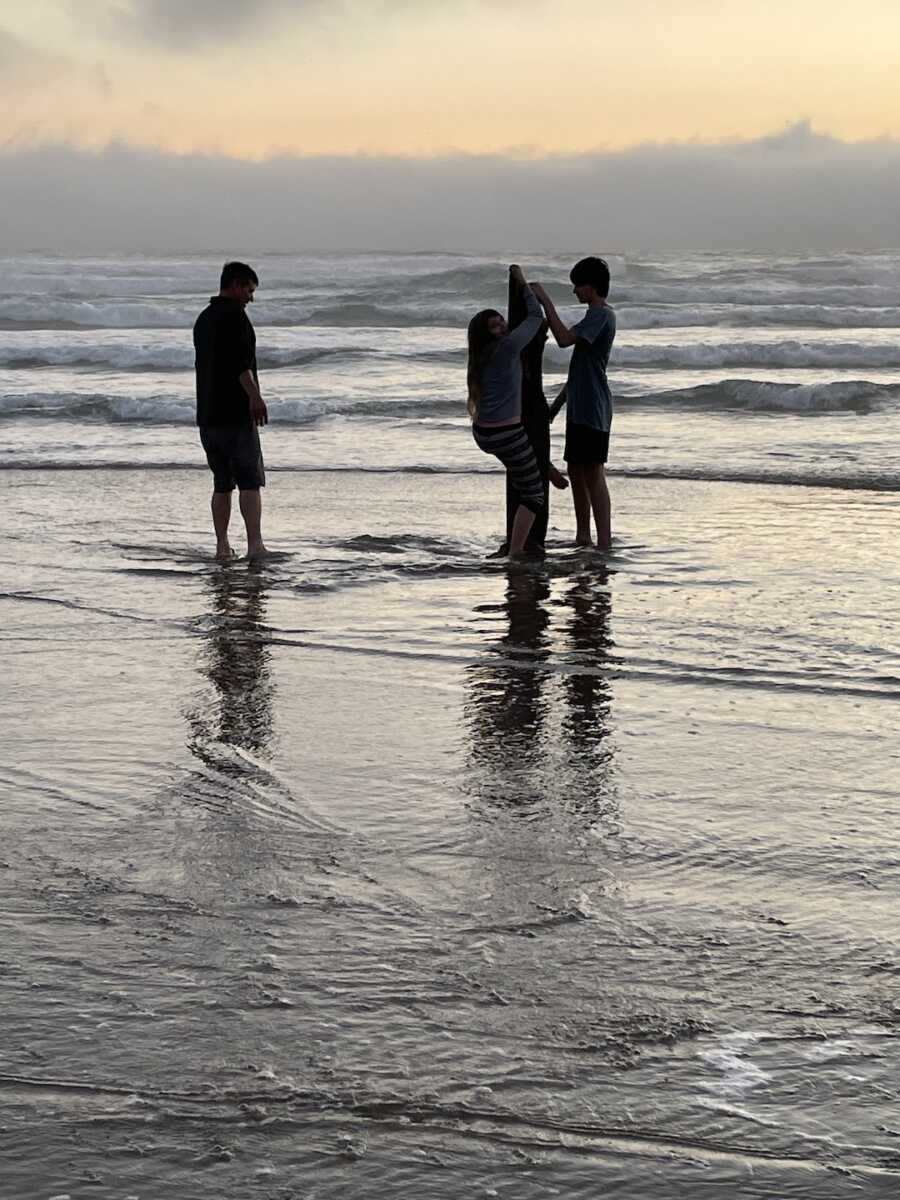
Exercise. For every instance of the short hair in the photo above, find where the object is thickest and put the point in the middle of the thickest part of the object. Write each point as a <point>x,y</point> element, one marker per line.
<point>591,271</point>
<point>237,272</point>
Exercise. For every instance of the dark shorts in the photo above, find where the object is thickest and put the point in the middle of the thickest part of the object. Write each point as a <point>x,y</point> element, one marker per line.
<point>234,456</point>
<point>585,445</point>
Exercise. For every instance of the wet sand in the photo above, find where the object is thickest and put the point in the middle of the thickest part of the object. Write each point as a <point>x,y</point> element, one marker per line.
<point>381,871</point>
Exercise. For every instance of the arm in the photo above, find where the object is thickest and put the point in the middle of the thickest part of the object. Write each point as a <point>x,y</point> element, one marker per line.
<point>559,402</point>
<point>518,338</point>
<point>259,414</point>
<point>561,332</point>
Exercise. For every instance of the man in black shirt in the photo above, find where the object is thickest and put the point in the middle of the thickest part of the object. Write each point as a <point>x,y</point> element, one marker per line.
<point>229,406</point>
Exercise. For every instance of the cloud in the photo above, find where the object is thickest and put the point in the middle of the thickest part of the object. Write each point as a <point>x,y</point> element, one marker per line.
<point>10,49</point>
<point>25,67</point>
<point>796,190</point>
<point>176,23</point>
<point>187,24</point>
<point>17,58</point>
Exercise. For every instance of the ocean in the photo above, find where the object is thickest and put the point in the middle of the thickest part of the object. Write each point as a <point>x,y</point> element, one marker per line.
<point>380,869</point>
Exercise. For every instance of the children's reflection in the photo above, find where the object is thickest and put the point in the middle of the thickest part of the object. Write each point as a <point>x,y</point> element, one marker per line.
<point>586,720</point>
<point>507,705</point>
<point>538,701</point>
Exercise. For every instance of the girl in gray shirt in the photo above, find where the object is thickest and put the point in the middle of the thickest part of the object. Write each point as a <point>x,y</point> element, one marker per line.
<point>495,404</point>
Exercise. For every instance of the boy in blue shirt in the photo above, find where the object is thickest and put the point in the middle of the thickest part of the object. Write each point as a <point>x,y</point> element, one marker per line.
<point>588,398</point>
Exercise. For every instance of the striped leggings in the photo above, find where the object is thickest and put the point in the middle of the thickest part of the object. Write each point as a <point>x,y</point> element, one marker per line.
<point>510,444</point>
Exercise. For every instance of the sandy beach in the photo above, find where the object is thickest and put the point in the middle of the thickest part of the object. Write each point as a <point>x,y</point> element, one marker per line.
<point>382,871</point>
<point>373,827</point>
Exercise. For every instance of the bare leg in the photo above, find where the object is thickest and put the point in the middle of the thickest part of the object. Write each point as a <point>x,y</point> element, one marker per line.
<point>221,515</point>
<point>251,511</point>
<point>600,503</point>
<point>582,501</point>
<point>522,523</point>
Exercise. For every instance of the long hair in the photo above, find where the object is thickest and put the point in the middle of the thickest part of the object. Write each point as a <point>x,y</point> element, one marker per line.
<point>482,344</point>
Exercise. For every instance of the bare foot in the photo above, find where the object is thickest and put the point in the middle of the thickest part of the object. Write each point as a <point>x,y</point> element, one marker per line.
<point>224,553</point>
<point>557,478</point>
<point>256,552</point>
<point>584,543</point>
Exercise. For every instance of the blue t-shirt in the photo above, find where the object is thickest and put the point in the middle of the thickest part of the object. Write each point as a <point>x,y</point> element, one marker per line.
<point>588,398</point>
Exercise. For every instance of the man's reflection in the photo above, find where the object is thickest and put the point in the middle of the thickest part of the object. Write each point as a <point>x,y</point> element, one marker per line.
<point>235,659</point>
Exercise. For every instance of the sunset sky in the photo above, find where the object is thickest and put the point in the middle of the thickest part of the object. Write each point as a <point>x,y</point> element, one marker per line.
<point>334,123</point>
<point>255,78</point>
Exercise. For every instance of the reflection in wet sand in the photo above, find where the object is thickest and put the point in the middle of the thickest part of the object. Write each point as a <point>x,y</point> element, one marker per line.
<point>538,702</point>
<point>230,729</point>
<point>586,722</point>
<point>236,661</point>
<point>507,702</point>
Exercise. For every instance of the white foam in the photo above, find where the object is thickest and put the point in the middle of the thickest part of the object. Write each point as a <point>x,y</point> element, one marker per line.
<point>736,1110</point>
<point>738,1075</point>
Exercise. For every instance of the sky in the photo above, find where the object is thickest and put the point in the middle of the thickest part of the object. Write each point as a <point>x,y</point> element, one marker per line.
<point>427,105</point>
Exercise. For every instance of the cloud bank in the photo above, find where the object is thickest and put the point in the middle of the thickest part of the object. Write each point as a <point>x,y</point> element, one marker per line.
<point>795,190</point>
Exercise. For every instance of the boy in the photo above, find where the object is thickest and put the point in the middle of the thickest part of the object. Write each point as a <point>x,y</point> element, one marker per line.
<point>588,397</point>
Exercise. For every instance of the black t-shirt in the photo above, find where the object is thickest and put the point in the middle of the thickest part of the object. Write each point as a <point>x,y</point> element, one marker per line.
<point>225,347</point>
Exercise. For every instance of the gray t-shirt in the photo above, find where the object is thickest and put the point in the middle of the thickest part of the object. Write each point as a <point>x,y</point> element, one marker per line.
<point>501,377</point>
<point>588,396</point>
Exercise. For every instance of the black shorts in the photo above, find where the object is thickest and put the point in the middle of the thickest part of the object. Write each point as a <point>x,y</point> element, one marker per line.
<point>234,456</point>
<point>585,445</point>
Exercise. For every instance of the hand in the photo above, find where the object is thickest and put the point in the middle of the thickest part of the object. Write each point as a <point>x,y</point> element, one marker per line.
<point>558,403</point>
<point>259,414</point>
<point>538,291</point>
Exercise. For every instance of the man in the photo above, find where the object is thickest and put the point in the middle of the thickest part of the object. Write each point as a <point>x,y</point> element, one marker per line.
<point>589,400</point>
<point>230,408</point>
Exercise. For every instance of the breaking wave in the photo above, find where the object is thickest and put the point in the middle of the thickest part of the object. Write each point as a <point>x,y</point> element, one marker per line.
<point>789,353</point>
<point>747,395</point>
<point>753,395</point>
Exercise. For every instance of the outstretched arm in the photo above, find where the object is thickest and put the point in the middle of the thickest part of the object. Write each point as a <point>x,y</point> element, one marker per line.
<point>562,334</point>
<point>519,337</point>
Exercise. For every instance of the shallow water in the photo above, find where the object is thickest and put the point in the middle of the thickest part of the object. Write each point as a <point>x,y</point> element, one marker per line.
<point>380,870</point>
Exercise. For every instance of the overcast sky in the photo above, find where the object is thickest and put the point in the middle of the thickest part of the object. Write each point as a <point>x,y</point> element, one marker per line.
<point>480,123</point>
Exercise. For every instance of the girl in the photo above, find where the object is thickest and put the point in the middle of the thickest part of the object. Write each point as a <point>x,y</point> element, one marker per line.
<point>495,403</point>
